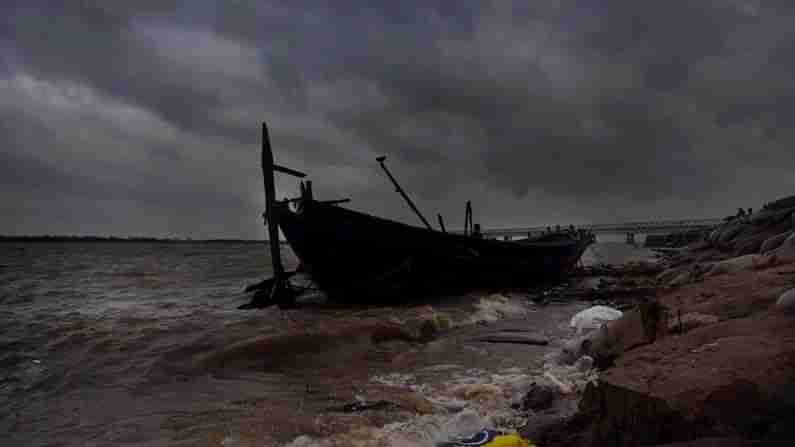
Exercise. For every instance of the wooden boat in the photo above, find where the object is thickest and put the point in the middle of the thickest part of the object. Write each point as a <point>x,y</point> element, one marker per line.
<point>353,256</point>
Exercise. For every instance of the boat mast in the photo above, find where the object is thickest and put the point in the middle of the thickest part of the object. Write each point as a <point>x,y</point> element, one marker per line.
<point>402,193</point>
<point>271,212</point>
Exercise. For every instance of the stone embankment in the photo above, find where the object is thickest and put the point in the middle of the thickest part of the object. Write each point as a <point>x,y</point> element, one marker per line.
<point>709,359</point>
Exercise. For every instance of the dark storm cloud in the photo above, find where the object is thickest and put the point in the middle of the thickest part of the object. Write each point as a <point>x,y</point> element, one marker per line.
<point>592,110</point>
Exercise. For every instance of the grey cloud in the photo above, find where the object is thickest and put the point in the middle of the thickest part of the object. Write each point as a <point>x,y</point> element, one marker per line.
<point>579,105</point>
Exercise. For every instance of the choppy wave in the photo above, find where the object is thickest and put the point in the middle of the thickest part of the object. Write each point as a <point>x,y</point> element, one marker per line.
<point>129,344</point>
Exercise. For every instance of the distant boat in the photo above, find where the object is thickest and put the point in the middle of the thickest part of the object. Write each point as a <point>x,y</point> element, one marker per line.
<point>354,256</point>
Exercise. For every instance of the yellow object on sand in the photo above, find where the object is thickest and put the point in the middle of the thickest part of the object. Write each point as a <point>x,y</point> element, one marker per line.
<point>512,440</point>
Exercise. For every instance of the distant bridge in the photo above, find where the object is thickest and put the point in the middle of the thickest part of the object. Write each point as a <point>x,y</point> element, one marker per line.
<point>629,228</point>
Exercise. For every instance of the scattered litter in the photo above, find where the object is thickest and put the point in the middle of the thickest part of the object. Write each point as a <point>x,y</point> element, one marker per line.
<point>489,438</point>
<point>594,317</point>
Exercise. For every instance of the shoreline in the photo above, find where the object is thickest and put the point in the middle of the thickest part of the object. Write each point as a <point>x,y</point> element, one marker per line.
<point>416,374</point>
<point>707,358</point>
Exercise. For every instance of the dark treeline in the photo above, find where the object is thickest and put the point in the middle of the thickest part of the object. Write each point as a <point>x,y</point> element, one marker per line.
<point>69,238</point>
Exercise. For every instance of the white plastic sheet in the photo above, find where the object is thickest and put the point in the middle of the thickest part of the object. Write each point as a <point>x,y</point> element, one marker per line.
<point>594,317</point>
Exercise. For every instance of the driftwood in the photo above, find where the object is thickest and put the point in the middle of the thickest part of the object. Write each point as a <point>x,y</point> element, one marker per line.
<point>357,407</point>
<point>514,337</point>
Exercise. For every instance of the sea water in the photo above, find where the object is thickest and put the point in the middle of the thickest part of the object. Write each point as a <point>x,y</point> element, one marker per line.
<point>109,343</point>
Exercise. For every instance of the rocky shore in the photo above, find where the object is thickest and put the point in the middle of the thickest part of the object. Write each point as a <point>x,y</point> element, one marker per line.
<point>705,352</point>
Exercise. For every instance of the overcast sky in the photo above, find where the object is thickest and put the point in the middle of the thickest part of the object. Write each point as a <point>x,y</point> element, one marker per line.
<point>121,119</point>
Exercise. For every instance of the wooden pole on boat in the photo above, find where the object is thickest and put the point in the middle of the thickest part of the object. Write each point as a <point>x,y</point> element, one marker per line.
<point>441,223</point>
<point>271,210</point>
<point>403,193</point>
<point>468,219</point>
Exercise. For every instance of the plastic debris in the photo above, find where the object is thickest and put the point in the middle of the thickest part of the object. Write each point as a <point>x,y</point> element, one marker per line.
<point>489,438</point>
<point>594,317</point>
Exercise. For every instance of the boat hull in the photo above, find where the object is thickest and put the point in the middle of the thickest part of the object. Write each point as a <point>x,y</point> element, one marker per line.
<point>357,257</point>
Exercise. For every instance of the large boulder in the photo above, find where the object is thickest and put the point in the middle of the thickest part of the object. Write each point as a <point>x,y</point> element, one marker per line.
<point>774,242</point>
<point>751,244</point>
<point>638,327</point>
<point>729,233</point>
<point>539,397</point>
<point>713,235</point>
<point>690,321</point>
<point>789,242</point>
<point>773,216</point>
<point>786,302</point>
<point>783,203</point>
<point>779,256</point>
<point>732,379</point>
<point>731,265</point>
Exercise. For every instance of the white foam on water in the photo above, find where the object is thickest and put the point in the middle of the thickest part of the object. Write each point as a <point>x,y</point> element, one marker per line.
<point>396,380</point>
<point>418,431</point>
<point>497,307</point>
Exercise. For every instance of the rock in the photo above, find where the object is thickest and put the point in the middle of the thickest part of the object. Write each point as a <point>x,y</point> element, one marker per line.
<point>675,391</point>
<point>681,279</point>
<point>539,397</point>
<point>622,416</point>
<point>783,203</point>
<point>637,327</point>
<point>781,255</point>
<point>750,244</point>
<point>584,363</point>
<point>712,237</point>
<point>429,326</point>
<point>690,321</point>
<point>594,317</point>
<point>668,275</point>
<point>783,215</point>
<point>763,217</point>
<point>789,242</point>
<point>786,302</point>
<point>772,216</point>
<point>729,233</point>
<point>731,265</point>
<point>774,242</point>
<point>573,349</point>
